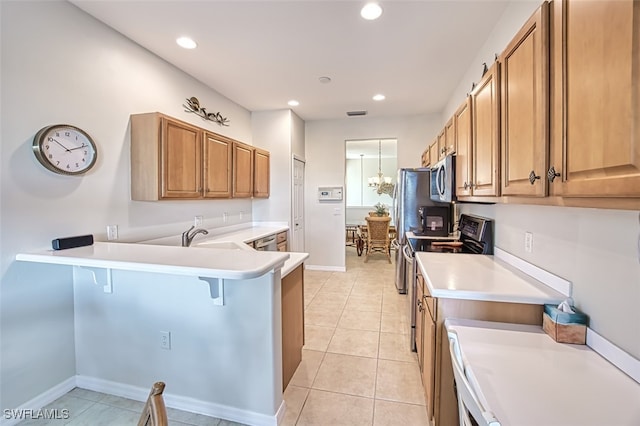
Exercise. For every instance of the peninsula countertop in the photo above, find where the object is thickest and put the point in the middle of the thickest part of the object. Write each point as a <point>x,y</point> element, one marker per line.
<point>481,277</point>
<point>192,261</point>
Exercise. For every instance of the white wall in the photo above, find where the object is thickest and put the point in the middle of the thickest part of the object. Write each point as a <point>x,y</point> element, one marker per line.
<point>325,150</point>
<point>357,190</point>
<point>595,249</point>
<point>272,131</point>
<point>85,74</point>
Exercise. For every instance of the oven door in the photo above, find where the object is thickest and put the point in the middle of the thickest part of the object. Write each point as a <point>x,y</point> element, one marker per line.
<point>410,277</point>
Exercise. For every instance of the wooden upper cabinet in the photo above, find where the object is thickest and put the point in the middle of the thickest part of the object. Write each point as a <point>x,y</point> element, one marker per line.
<point>166,158</point>
<point>181,158</point>
<point>434,154</point>
<point>242,170</point>
<point>524,76</point>
<point>462,132</point>
<point>485,113</point>
<point>449,138</point>
<point>218,154</point>
<point>173,160</point>
<point>595,98</point>
<point>261,174</point>
<point>425,161</point>
<point>442,145</point>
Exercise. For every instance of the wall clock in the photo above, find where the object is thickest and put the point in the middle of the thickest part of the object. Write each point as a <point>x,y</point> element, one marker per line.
<point>65,149</point>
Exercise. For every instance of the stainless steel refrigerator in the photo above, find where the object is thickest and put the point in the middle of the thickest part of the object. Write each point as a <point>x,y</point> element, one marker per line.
<point>412,191</point>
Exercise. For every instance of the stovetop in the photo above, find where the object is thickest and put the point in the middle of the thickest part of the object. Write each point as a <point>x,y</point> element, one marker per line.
<point>476,236</point>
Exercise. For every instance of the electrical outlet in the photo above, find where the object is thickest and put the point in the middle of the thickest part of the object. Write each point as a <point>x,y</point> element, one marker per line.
<point>197,221</point>
<point>528,242</point>
<point>225,216</point>
<point>112,232</point>
<point>165,340</point>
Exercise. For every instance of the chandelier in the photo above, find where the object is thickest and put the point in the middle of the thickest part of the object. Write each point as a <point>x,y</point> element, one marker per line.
<point>380,183</point>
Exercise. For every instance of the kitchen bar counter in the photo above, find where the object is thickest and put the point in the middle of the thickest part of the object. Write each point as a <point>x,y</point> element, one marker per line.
<point>481,277</point>
<point>191,261</point>
<point>525,378</point>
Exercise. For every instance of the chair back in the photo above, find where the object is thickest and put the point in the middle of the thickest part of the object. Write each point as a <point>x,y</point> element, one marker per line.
<point>154,412</point>
<point>378,229</point>
<point>468,402</point>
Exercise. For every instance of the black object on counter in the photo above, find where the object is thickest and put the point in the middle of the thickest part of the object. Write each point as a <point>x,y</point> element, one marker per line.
<point>71,242</point>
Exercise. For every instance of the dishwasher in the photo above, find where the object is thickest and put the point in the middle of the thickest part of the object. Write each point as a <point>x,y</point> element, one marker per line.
<point>268,243</point>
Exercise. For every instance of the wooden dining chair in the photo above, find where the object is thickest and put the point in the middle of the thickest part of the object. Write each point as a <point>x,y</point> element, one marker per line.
<point>378,236</point>
<point>154,412</point>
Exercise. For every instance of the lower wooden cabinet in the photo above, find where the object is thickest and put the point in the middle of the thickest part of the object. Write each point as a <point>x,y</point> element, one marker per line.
<point>433,345</point>
<point>292,323</point>
<point>281,241</point>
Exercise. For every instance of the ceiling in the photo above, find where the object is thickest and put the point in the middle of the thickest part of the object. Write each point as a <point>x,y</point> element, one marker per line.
<point>261,54</point>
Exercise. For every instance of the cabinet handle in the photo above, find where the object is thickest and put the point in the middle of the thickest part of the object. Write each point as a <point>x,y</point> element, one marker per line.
<point>533,177</point>
<point>552,174</point>
<point>419,305</point>
<point>466,186</point>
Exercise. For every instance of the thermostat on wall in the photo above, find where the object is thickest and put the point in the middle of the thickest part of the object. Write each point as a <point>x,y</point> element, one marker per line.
<point>329,193</point>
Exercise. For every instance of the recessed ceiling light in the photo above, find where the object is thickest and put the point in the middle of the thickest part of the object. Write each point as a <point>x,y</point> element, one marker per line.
<point>324,80</point>
<point>379,97</point>
<point>186,42</point>
<point>293,102</point>
<point>371,11</point>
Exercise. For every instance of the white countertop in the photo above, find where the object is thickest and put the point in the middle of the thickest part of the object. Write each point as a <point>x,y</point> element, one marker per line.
<point>526,378</point>
<point>166,256</point>
<point>193,261</point>
<point>481,277</point>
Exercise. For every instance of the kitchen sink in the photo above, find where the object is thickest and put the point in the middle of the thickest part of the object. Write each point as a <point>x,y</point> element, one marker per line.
<point>227,245</point>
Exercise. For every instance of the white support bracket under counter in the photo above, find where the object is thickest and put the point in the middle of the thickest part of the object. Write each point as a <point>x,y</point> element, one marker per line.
<point>100,276</point>
<point>216,289</point>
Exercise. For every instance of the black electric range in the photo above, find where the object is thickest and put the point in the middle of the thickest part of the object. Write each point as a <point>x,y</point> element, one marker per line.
<point>476,237</point>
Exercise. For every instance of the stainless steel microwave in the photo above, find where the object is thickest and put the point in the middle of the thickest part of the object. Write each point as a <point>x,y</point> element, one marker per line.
<point>443,180</point>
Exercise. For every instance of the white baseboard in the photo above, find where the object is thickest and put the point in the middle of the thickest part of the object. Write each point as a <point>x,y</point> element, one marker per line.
<point>180,402</point>
<point>325,268</point>
<point>42,400</point>
<point>616,356</point>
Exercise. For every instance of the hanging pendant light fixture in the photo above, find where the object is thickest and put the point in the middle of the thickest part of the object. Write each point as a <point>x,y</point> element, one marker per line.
<point>380,183</point>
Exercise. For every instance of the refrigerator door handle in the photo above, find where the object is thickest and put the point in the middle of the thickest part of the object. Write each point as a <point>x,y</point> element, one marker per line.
<point>407,253</point>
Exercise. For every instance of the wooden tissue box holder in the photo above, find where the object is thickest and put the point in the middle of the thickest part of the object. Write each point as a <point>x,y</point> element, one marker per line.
<point>565,327</point>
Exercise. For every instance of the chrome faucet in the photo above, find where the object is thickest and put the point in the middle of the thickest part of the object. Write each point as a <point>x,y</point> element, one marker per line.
<point>188,236</point>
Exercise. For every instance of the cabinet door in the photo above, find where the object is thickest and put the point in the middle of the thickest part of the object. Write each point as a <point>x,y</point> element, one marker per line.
<point>419,318</point>
<point>292,323</point>
<point>596,98</point>
<point>434,155</point>
<point>425,161</point>
<point>217,166</point>
<point>181,159</point>
<point>485,112</point>
<point>524,114</point>
<point>450,137</point>
<point>441,145</point>
<point>462,128</point>
<point>429,362</point>
<point>242,170</point>
<point>261,174</point>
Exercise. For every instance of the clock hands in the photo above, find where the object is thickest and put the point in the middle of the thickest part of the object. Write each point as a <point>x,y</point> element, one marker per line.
<point>78,147</point>
<point>65,148</point>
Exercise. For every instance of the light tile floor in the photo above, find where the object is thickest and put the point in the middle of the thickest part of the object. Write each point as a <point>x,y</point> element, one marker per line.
<point>356,366</point>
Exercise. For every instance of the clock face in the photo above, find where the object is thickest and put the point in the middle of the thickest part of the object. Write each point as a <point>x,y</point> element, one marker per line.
<point>65,149</point>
